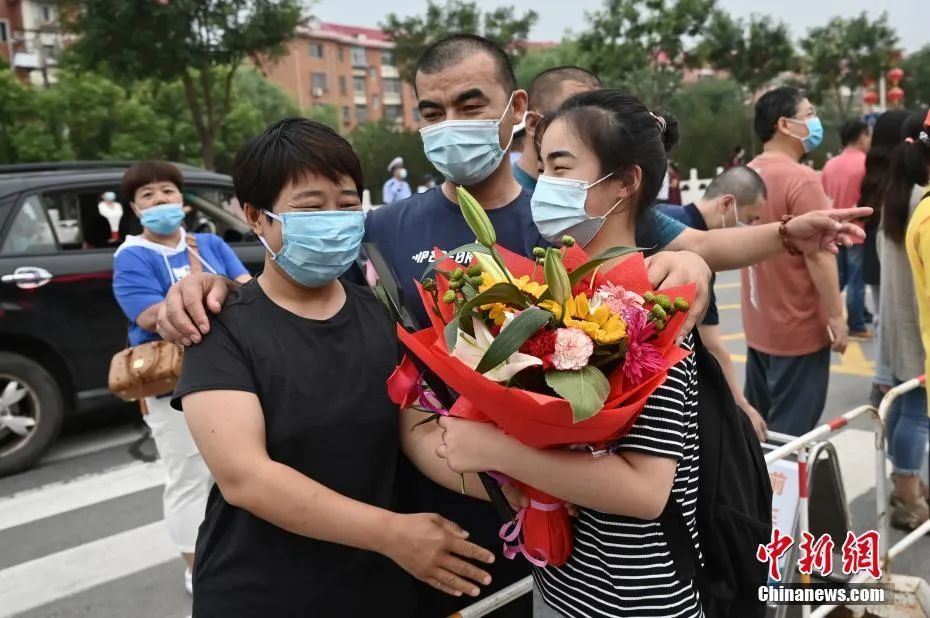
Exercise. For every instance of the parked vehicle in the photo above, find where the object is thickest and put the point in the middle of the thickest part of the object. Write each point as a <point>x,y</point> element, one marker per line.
<point>59,321</point>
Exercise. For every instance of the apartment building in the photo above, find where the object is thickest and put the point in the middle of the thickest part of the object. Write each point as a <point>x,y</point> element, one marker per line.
<point>30,39</point>
<point>349,68</point>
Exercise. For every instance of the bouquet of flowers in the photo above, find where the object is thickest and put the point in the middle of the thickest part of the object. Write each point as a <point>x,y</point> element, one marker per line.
<point>552,350</point>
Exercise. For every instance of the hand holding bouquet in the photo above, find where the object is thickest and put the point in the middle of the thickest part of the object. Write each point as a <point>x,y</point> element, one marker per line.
<point>551,350</point>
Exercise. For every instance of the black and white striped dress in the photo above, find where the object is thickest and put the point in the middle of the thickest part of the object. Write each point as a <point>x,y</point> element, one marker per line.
<point>621,567</point>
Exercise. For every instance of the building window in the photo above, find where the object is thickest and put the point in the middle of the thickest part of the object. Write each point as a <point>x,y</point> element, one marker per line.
<point>375,102</point>
<point>394,113</point>
<point>387,57</point>
<point>359,86</point>
<point>358,56</point>
<point>373,73</point>
<point>318,83</point>
<point>346,114</point>
<point>361,114</point>
<point>48,13</point>
<point>343,88</point>
<point>4,32</point>
<point>392,86</point>
<point>342,57</point>
<point>316,50</point>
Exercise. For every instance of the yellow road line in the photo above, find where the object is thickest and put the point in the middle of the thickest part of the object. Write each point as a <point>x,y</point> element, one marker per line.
<point>727,286</point>
<point>733,307</point>
<point>853,362</point>
<point>733,337</point>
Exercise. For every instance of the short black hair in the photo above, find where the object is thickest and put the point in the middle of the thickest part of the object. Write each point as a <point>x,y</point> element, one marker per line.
<point>852,130</point>
<point>778,103</point>
<point>623,134</point>
<point>146,172</point>
<point>457,47</point>
<point>547,86</point>
<point>285,153</point>
<point>742,182</point>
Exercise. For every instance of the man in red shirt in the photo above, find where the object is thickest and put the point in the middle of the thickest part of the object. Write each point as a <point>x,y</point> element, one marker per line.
<point>842,178</point>
<point>791,301</point>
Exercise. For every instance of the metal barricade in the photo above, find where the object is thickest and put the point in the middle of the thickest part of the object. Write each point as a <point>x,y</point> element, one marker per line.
<point>497,600</point>
<point>888,553</point>
<point>801,446</point>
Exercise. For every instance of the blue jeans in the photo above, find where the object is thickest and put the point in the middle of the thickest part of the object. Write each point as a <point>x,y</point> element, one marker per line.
<point>788,391</point>
<point>908,429</point>
<point>849,261</point>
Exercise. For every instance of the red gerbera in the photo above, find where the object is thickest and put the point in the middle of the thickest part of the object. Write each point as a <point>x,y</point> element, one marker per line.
<point>542,346</point>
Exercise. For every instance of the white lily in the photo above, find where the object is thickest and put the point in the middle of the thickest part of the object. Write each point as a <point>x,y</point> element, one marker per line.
<point>470,350</point>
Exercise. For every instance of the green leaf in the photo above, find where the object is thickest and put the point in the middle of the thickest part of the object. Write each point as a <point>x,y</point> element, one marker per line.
<point>469,248</point>
<point>586,390</point>
<point>451,333</point>
<point>579,273</point>
<point>498,293</point>
<point>511,338</point>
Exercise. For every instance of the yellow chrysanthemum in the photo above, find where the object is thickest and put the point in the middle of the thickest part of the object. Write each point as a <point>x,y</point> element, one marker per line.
<point>497,312</point>
<point>601,325</point>
<point>524,284</point>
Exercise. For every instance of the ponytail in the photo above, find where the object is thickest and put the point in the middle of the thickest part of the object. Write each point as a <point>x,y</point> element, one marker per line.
<point>910,167</point>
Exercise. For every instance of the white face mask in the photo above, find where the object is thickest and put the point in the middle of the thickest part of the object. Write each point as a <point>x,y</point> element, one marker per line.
<point>559,208</point>
<point>723,219</point>
<point>403,174</point>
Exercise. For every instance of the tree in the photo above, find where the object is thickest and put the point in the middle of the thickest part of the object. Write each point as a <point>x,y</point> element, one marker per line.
<point>753,53</point>
<point>377,143</point>
<point>535,62</point>
<point>412,35</point>
<point>640,44</point>
<point>917,77</point>
<point>714,119</point>
<point>844,54</point>
<point>202,43</point>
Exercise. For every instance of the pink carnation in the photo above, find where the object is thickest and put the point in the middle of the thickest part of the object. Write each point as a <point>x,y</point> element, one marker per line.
<point>618,299</point>
<point>573,348</point>
<point>642,358</point>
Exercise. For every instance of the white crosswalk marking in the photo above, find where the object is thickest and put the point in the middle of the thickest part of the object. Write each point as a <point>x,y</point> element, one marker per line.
<point>60,498</point>
<point>56,576</point>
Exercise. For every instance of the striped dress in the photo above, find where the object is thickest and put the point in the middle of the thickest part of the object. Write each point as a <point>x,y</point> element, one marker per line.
<point>620,566</point>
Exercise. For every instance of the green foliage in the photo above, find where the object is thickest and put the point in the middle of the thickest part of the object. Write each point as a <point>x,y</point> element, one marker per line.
<point>566,53</point>
<point>714,118</point>
<point>916,82</point>
<point>412,35</point>
<point>202,44</point>
<point>753,53</point>
<point>377,143</point>
<point>325,114</point>
<point>845,53</point>
<point>639,45</point>
<point>586,390</point>
<point>87,116</point>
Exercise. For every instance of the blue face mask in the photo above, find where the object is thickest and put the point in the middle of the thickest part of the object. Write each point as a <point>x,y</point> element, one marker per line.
<point>465,151</point>
<point>163,219</point>
<point>318,246</point>
<point>814,133</point>
<point>558,209</point>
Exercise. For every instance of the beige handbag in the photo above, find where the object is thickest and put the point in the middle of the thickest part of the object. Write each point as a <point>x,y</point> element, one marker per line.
<point>152,368</point>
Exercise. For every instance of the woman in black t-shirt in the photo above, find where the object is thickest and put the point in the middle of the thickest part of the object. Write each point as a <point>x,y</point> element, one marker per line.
<point>286,399</point>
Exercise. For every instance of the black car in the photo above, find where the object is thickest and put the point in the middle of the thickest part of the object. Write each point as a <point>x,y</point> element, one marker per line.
<point>59,321</point>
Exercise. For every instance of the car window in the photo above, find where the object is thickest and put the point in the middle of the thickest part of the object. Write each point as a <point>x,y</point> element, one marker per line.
<point>31,231</point>
<point>199,219</point>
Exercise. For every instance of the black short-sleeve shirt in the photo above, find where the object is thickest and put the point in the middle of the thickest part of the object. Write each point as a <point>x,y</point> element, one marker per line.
<point>321,384</point>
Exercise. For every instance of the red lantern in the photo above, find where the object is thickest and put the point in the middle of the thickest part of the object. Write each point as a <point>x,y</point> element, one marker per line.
<point>869,82</point>
<point>895,75</point>
<point>870,97</point>
<point>895,95</point>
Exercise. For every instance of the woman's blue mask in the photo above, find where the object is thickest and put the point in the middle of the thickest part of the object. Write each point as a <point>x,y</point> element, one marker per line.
<point>559,209</point>
<point>465,151</point>
<point>318,247</point>
<point>814,133</point>
<point>163,219</point>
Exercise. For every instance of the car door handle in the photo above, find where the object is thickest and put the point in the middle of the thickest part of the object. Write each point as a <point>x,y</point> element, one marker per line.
<point>28,277</point>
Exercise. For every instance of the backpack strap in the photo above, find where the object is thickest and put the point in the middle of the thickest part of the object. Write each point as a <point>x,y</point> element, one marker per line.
<point>680,544</point>
<point>192,255</point>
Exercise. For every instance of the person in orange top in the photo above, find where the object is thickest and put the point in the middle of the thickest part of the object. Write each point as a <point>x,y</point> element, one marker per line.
<point>791,301</point>
<point>842,179</point>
